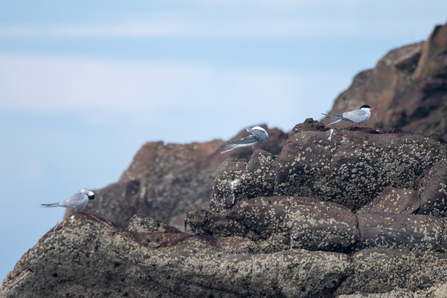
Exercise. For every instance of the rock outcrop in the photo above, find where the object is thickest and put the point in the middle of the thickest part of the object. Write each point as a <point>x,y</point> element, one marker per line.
<point>317,213</point>
<point>86,256</point>
<point>408,87</point>
<point>349,167</point>
<point>368,217</point>
<point>165,181</point>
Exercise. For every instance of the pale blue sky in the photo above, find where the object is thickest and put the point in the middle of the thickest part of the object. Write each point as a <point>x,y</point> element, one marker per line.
<point>85,83</point>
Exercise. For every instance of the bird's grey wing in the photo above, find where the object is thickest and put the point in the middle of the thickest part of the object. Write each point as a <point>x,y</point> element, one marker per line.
<point>250,140</point>
<point>262,136</point>
<point>77,200</point>
<point>357,116</point>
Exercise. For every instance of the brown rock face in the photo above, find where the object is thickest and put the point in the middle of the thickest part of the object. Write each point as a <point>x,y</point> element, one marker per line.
<point>280,223</point>
<point>433,190</point>
<point>394,200</point>
<point>89,257</point>
<point>286,229</point>
<point>408,87</point>
<point>381,270</point>
<point>238,180</point>
<point>165,181</point>
<point>402,231</point>
<point>319,213</point>
<point>349,167</point>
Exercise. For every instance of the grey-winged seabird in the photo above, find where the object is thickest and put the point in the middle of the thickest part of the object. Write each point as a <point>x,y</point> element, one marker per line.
<point>76,201</point>
<point>356,117</point>
<point>258,136</point>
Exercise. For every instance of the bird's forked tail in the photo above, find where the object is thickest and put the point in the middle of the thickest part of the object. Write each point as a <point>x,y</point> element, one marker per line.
<point>50,205</point>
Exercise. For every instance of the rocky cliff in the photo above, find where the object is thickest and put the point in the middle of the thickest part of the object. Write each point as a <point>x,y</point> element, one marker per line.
<point>336,213</point>
<point>167,180</point>
<point>408,87</point>
<point>318,212</point>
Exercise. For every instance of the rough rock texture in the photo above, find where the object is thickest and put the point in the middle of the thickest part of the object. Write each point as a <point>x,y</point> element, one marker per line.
<point>415,232</point>
<point>146,224</point>
<point>354,165</point>
<point>86,256</point>
<point>350,168</point>
<point>319,213</point>
<point>433,190</point>
<point>287,228</point>
<point>380,270</point>
<point>294,222</point>
<point>408,87</point>
<point>438,291</point>
<point>165,181</point>
<point>430,197</point>
<point>391,199</point>
<point>237,180</point>
<point>89,257</point>
<point>279,223</point>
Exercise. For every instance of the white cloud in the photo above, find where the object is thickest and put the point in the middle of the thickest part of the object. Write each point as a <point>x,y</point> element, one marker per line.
<point>247,19</point>
<point>52,84</point>
<point>157,93</point>
<point>156,28</point>
<point>253,27</point>
<point>189,27</point>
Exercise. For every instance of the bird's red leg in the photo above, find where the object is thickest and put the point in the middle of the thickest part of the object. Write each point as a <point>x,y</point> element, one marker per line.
<point>256,147</point>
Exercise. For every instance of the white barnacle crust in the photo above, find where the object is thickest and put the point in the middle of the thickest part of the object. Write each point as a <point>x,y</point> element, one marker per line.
<point>233,185</point>
<point>55,227</point>
<point>330,136</point>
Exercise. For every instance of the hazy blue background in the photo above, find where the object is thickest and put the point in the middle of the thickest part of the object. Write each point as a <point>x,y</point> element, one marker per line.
<point>83,84</point>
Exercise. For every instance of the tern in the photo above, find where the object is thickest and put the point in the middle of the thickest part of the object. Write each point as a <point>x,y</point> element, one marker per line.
<point>76,201</point>
<point>258,136</point>
<point>356,117</point>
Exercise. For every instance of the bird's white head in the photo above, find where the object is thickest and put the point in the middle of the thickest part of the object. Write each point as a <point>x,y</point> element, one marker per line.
<point>90,194</point>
